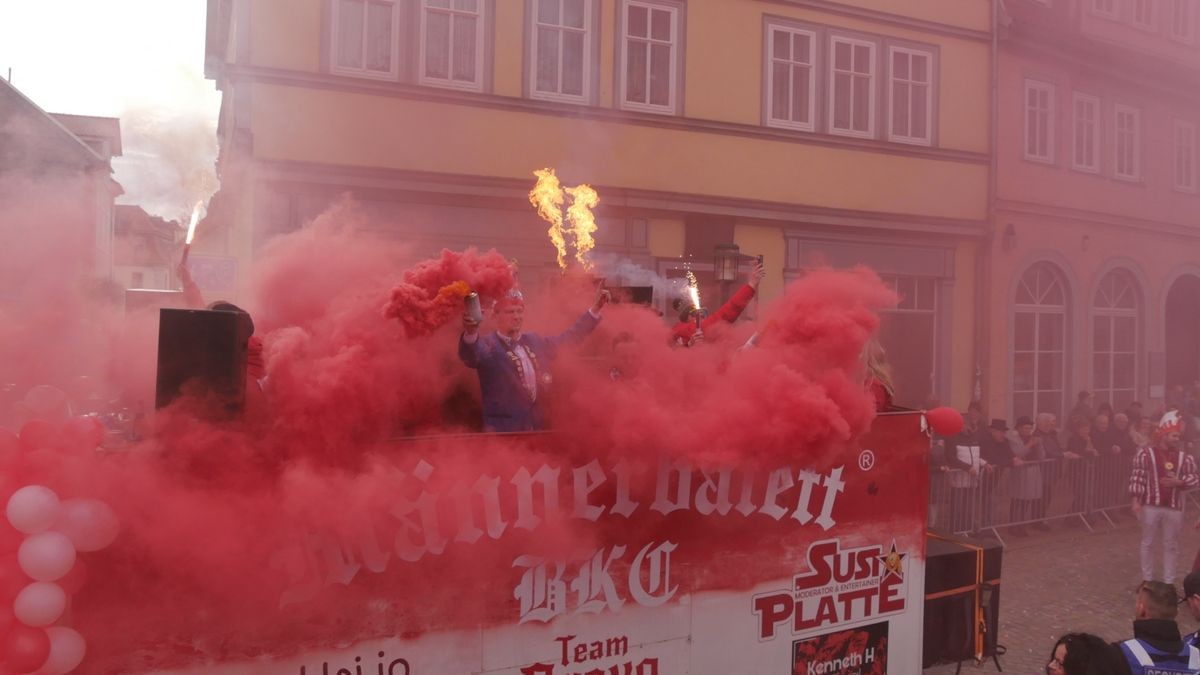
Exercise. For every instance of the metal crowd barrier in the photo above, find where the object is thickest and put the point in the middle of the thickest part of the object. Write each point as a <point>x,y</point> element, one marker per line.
<point>1092,491</point>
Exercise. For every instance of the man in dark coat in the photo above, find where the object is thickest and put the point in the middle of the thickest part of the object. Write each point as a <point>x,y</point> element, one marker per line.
<point>513,366</point>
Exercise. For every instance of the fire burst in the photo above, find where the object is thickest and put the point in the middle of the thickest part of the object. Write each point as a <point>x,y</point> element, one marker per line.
<point>693,290</point>
<point>583,222</point>
<point>547,198</point>
<point>191,233</point>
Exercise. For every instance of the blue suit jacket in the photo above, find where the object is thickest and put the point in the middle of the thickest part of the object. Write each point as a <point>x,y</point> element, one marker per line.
<point>506,404</point>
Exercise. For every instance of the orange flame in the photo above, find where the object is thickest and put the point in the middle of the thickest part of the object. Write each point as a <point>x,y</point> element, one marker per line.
<point>192,225</point>
<point>547,197</point>
<point>583,222</point>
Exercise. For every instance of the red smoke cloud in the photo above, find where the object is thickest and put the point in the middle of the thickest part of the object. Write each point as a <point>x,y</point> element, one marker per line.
<point>220,521</point>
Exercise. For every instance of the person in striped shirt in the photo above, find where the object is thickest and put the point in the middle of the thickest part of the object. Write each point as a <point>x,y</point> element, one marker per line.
<point>1160,472</point>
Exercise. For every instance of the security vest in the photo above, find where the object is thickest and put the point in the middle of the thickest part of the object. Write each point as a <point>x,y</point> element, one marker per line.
<point>1147,660</point>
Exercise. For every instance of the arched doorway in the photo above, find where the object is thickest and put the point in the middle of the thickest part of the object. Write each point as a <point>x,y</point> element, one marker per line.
<point>1183,331</point>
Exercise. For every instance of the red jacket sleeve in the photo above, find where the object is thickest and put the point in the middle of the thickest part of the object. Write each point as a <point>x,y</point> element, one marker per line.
<point>731,310</point>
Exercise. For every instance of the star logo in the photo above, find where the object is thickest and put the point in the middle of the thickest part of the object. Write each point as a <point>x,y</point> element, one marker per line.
<point>893,563</point>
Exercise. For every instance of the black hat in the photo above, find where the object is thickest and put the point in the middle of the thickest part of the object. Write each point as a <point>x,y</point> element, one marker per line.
<point>998,425</point>
<point>1191,585</point>
<point>1023,420</point>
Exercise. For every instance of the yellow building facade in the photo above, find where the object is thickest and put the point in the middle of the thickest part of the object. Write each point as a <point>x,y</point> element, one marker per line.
<point>810,132</point>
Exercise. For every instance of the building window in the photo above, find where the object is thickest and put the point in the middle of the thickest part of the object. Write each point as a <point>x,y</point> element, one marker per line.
<point>452,43</point>
<point>1128,146</point>
<point>364,38</point>
<point>562,50</point>
<point>1114,340</point>
<point>1185,156</point>
<point>1039,342</point>
<point>851,87</point>
<point>1106,8</point>
<point>1181,20</point>
<point>910,96</point>
<point>1039,121</point>
<point>1143,13</point>
<point>908,335</point>
<point>650,57</point>
<point>1085,137</point>
<point>792,86</point>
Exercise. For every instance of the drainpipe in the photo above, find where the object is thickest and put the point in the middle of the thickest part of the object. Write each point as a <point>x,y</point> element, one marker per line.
<point>983,267</point>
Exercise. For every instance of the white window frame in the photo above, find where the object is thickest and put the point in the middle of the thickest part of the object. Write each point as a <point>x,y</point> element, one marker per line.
<point>623,70</point>
<point>1137,21</point>
<point>480,29</point>
<point>1182,21</point>
<point>1110,355</point>
<point>1184,132</point>
<point>1095,136</point>
<point>1049,89</point>
<point>929,85</point>
<point>831,72</point>
<point>1118,111</point>
<point>589,37</point>
<point>813,50</point>
<point>335,31</point>
<point>1105,8</point>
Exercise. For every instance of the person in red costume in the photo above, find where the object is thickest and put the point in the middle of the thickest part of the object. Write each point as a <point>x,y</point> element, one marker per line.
<point>686,334</point>
<point>256,367</point>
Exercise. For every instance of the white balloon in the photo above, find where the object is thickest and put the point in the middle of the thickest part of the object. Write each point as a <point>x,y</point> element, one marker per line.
<point>46,556</point>
<point>67,649</point>
<point>89,523</point>
<point>40,604</point>
<point>33,509</point>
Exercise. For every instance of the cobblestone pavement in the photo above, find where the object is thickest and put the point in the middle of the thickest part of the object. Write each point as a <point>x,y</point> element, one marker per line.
<point>1071,580</point>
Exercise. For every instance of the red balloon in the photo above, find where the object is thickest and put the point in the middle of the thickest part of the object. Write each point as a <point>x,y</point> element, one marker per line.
<point>26,649</point>
<point>7,620</point>
<point>36,435</point>
<point>82,433</point>
<point>75,579</point>
<point>9,446</point>
<point>945,421</point>
<point>12,579</point>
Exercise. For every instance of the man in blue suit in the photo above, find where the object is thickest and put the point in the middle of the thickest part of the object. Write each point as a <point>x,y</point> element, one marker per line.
<point>514,367</point>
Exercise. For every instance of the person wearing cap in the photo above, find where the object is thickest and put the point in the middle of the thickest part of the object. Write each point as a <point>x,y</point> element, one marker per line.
<point>1191,597</point>
<point>997,456</point>
<point>686,334</point>
<point>1026,484</point>
<point>1157,646</point>
<point>514,366</point>
<point>1160,471</point>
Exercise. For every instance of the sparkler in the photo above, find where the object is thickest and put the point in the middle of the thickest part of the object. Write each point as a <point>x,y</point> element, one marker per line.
<point>547,197</point>
<point>191,233</point>
<point>693,291</point>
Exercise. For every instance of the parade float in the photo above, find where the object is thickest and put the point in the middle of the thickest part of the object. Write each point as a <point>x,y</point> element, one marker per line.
<point>723,511</point>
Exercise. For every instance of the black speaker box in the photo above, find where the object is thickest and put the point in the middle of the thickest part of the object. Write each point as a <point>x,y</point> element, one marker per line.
<point>202,353</point>
<point>961,579</point>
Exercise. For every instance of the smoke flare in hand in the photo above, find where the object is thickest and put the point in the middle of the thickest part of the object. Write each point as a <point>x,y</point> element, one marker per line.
<point>547,197</point>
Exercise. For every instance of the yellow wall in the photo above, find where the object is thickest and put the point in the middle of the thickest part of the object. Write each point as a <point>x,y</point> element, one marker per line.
<point>286,34</point>
<point>509,52</point>
<point>727,84</point>
<point>665,237</point>
<point>721,83</point>
<point>334,127</point>
<point>767,241</point>
<point>962,349</point>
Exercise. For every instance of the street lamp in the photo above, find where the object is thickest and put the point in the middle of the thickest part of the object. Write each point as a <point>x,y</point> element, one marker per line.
<point>725,264</point>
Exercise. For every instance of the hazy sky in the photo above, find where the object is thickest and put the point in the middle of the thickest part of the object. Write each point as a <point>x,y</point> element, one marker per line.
<point>140,60</point>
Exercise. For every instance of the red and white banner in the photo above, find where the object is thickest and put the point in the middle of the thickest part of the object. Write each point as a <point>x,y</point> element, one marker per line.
<point>811,568</point>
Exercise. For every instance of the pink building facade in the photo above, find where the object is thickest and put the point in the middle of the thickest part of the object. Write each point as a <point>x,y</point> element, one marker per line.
<point>1094,265</point>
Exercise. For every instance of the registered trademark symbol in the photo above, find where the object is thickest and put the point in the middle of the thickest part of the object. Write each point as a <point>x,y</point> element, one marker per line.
<point>866,460</point>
